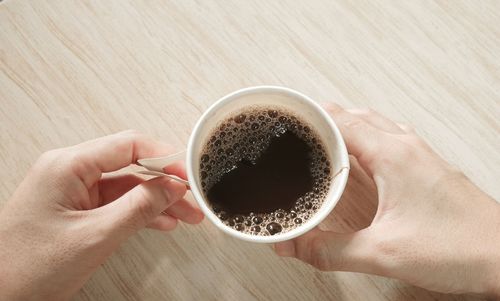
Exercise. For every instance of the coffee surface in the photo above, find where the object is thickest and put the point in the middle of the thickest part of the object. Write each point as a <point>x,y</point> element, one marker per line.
<point>264,171</point>
<point>278,177</point>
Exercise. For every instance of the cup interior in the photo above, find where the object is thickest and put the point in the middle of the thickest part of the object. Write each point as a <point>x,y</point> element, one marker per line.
<point>299,105</point>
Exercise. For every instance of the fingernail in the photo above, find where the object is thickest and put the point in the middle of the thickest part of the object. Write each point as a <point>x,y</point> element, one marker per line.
<point>358,111</point>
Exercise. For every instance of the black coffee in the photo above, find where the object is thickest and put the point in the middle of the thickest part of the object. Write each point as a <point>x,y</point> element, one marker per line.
<point>264,171</point>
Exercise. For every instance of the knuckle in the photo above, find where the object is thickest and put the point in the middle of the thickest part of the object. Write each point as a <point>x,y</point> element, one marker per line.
<point>74,162</point>
<point>49,160</point>
<point>130,137</point>
<point>393,157</point>
<point>78,166</point>
<point>49,156</point>
<point>71,162</point>
<point>356,124</point>
<point>416,143</point>
<point>400,152</point>
<point>142,207</point>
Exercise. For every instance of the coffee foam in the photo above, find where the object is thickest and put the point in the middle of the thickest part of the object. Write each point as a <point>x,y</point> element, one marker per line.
<point>244,136</point>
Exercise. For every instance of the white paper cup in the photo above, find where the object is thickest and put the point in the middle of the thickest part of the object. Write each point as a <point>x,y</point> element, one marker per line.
<point>296,103</point>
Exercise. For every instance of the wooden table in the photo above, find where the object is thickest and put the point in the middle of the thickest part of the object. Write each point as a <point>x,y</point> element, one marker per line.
<point>75,70</point>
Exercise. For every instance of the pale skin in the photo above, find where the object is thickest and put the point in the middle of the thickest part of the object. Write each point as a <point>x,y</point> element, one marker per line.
<point>67,216</point>
<point>433,228</point>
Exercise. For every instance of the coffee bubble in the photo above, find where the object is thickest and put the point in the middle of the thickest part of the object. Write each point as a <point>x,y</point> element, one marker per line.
<point>241,139</point>
<point>273,228</point>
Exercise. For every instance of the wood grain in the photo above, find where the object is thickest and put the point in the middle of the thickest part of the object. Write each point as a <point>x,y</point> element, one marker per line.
<point>74,70</point>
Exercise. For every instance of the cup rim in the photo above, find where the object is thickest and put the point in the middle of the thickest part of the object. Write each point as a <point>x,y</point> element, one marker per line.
<point>326,208</point>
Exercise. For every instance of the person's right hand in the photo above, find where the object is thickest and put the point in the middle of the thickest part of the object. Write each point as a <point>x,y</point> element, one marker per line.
<point>433,227</point>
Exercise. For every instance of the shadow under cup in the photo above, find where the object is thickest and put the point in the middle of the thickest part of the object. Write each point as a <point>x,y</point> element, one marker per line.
<point>291,101</point>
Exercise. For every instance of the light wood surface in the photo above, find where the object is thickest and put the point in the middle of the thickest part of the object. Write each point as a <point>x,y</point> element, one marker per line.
<point>75,70</point>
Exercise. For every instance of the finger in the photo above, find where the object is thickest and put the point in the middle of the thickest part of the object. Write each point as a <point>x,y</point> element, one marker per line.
<point>303,244</point>
<point>186,212</point>
<point>90,159</point>
<point>163,223</point>
<point>351,252</point>
<point>296,247</point>
<point>377,120</point>
<point>363,140</point>
<point>113,187</point>
<point>285,248</point>
<point>329,251</point>
<point>332,108</point>
<point>138,207</point>
<point>177,169</point>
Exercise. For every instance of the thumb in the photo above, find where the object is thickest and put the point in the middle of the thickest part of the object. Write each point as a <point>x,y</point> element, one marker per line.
<point>139,206</point>
<point>363,140</point>
<point>330,251</point>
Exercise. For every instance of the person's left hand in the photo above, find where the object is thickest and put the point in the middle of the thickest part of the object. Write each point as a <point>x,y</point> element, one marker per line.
<point>67,216</point>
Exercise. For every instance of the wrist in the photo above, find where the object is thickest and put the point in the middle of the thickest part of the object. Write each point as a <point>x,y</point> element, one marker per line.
<point>493,284</point>
<point>482,225</point>
<point>491,280</point>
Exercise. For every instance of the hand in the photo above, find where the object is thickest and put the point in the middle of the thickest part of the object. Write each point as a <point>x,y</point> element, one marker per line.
<point>433,227</point>
<point>66,218</point>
